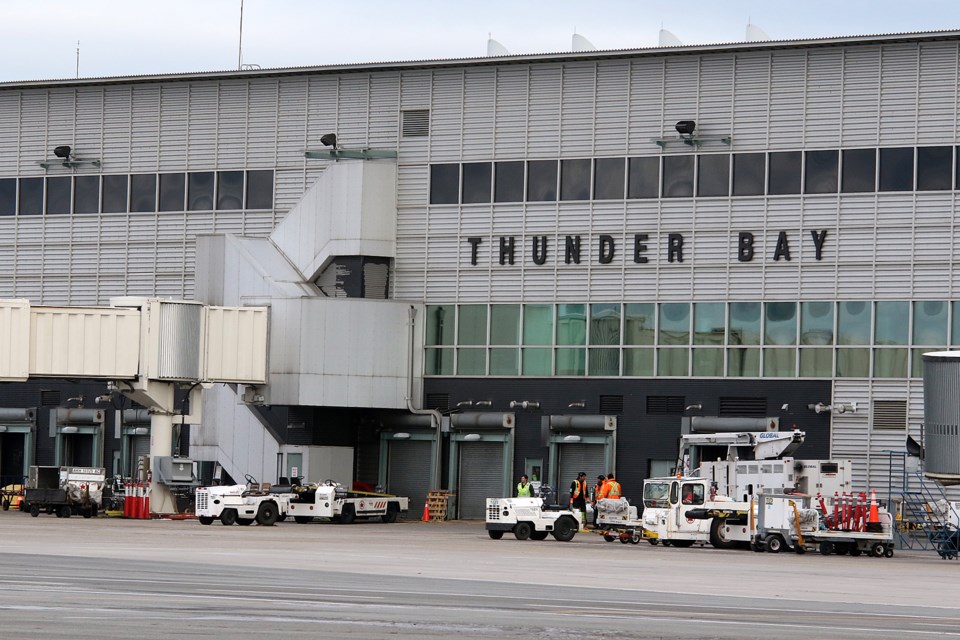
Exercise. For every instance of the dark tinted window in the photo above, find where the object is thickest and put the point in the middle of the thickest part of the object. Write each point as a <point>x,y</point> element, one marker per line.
<point>31,196</point>
<point>608,175</point>
<point>229,190</point>
<point>749,170</point>
<point>784,173</point>
<point>541,180</point>
<point>477,177</point>
<point>575,179</point>
<point>859,170</point>
<point>173,187</point>
<point>200,191</point>
<point>114,194</point>
<point>934,168</point>
<point>444,183</point>
<point>8,196</point>
<point>644,178</point>
<point>822,172</point>
<point>713,175</point>
<point>677,176</point>
<point>143,192</point>
<point>58,195</point>
<point>508,184</point>
<point>896,169</point>
<point>86,194</point>
<point>260,189</point>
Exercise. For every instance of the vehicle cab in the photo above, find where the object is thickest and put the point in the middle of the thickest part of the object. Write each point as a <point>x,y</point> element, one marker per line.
<point>666,501</point>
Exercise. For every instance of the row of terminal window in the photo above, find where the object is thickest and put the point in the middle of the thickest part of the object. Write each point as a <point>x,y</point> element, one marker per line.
<point>137,193</point>
<point>700,175</point>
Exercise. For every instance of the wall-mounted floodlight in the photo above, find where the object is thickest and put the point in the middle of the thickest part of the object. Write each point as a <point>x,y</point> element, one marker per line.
<point>686,127</point>
<point>141,431</point>
<point>579,404</point>
<point>483,403</point>
<point>65,158</point>
<point>68,429</point>
<point>329,140</point>
<point>63,151</point>
<point>694,407</point>
<point>402,435</point>
<point>571,438</point>
<point>524,404</point>
<point>471,437</point>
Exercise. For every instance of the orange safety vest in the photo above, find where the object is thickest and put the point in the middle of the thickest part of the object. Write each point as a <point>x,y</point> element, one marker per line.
<point>613,490</point>
<point>581,490</point>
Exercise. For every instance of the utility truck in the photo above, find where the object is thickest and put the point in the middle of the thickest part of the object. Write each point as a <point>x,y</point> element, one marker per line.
<point>64,491</point>
<point>530,518</point>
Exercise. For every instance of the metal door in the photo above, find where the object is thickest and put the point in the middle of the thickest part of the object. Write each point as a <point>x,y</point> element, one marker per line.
<point>481,477</point>
<point>408,472</point>
<point>577,457</point>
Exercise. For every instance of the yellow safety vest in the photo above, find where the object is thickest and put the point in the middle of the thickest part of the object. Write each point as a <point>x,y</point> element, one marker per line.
<point>523,490</point>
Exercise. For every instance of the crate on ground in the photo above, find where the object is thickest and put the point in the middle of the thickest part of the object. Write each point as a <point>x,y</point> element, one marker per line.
<point>437,502</point>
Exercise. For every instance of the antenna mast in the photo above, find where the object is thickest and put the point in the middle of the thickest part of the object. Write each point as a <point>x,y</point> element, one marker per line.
<point>240,45</point>
<point>78,58</point>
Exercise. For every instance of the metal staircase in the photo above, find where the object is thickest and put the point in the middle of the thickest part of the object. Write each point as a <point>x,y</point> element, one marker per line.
<point>926,521</point>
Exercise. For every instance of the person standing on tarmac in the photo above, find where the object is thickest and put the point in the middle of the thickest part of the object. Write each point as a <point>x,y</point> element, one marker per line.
<point>578,496</point>
<point>611,489</point>
<point>524,488</point>
<point>601,480</point>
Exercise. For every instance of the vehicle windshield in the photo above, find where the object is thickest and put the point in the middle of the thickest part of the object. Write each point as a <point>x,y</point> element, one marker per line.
<point>655,494</point>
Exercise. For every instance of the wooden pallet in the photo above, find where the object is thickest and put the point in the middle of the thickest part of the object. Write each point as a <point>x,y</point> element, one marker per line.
<point>437,502</point>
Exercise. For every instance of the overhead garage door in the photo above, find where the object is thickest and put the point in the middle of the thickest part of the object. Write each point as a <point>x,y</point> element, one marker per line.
<point>575,458</point>
<point>408,472</point>
<point>481,477</point>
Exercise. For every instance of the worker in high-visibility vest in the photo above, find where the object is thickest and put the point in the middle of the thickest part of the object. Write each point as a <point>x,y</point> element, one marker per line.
<point>601,480</point>
<point>524,488</point>
<point>611,489</point>
<point>578,496</point>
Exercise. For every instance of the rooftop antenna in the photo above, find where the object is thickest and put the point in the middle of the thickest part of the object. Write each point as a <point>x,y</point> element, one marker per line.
<point>240,44</point>
<point>78,58</point>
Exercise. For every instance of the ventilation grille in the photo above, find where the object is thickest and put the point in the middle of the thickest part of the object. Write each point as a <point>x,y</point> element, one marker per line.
<point>611,405</point>
<point>743,407</point>
<point>890,414</point>
<point>439,401</point>
<point>415,123</point>
<point>665,405</point>
<point>50,398</point>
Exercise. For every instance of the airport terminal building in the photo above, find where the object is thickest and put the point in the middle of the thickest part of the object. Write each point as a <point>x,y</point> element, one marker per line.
<point>537,263</point>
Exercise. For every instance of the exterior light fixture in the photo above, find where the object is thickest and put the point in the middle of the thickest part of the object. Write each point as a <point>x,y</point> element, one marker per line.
<point>68,429</point>
<point>402,435</point>
<point>63,151</point>
<point>329,140</point>
<point>571,438</point>
<point>471,437</point>
<point>524,404</point>
<point>482,403</point>
<point>694,407</point>
<point>686,127</point>
<point>579,404</point>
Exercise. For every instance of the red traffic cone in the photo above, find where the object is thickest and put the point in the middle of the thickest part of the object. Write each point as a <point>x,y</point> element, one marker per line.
<point>426,512</point>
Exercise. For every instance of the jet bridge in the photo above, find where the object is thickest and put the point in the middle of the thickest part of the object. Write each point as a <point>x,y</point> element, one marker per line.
<point>144,348</point>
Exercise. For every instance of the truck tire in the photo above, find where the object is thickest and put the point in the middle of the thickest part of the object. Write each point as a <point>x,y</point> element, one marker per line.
<point>565,528</point>
<point>267,514</point>
<point>877,550</point>
<point>64,511</point>
<point>718,535</point>
<point>228,517</point>
<point>826,547</point>
<point>774,543</point>
<point>302,519</point>
<point>494,535</point>
<point>609,538</point>
<point>205,519</point>
<point>539,535</point>
<point>348,515</point>
<point>522,530</point>
<point>34,510</point>
<point>393,511</point>
<point>681,544</point>
<point>245,522</point>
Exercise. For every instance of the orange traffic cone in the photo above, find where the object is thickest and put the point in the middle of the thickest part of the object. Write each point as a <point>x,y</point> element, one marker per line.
<point>426,512</point>
<point>873,522</point>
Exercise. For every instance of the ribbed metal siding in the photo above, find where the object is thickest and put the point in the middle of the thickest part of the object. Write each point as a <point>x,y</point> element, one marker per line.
<point>179,355</point>
<point>575,458</point>
<point>481,477</point>
<point>941,392</point>
<point>408,472</point>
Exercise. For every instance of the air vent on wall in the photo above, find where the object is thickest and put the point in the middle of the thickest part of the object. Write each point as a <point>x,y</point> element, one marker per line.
<point>743,407</point>
<point>611,405</point>
<point>415,123</point>
<point>665,405</point>
<point>50,398</point>
<point>890,414</point>
<point>438,401</point>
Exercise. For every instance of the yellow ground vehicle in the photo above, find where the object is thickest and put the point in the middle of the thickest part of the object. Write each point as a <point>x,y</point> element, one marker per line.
<point>11,496</point>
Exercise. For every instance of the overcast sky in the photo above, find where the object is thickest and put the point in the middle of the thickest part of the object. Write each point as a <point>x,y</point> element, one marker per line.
<point>38,38</point>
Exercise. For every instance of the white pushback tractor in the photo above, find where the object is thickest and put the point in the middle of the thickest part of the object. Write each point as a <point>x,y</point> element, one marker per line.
<point>530,518</point>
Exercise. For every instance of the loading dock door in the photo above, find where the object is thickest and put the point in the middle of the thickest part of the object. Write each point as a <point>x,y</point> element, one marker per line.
<point>481,477</point>
<point>408,472</point>
<point>577,457</point>
<point>12,452</point>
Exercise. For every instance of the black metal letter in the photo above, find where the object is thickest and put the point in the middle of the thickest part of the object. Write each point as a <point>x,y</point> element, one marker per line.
<point>506,249</point>
<point>539,249</point>
<point>818,239</point>
<point>573,250</point>
<point>745,247</point>
<point>474,243</point>
<point>607,249</point>
<point>639,248</point>
<point>674,247</point>
<point>783,248</point>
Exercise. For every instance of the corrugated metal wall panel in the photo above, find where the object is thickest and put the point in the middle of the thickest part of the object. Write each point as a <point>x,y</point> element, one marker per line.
<point>681,98</point>
<point>353,115</point>
<point>384,111</point>
<point>646,106</point>
<point>513,95</point>
<point>479,112</point>
<point>787,98</point>
<point>613,91</point>
<point>232,104</point>
<point>715,115</point>
<point>89,127</point>
<point>543,129</point>
<point>824,91</point>
<point>291,125</point>
<point>145,127</point>
<point>174,116</point>
<point>751,101</point>
<point>937,91</point>
<point>9,131</point>
<point>446,116</point>
<point>861,96</point>
<point>898,94</point>
<point>481,477</point>
<point>408,472</point>
<point>577,109</point>
<point>33,132</point>
<point>202,134</point>
<point>61,120</point>
<point>261,133</point>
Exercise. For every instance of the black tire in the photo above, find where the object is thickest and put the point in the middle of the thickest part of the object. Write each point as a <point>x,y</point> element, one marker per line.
<point>888,552</point>
<point>6,506</point>
<point>718,535</point>
<point>609,538</point>
<point>774,543</point>
<point>800,549</point>
<point>205,519</point>
<point>624,540</point>
<point>228,517</point>
<point>244,522</point>
<point>855,550</point>
<point>653,541</point>
<point>34,510</point>
<point>682,544</point>
<point>86,513</point>
<point>348,515</point>
<point>877,550</point>
<point>282,517</point>
<point>522,530</point>
<point>539,535</point>
<point>494,535</point>
<point>303,519</point>
<point>564,529</point>
<point>393,512</point>
<point>635,538</point>
<point>826,548</point>
<point>267,514</point>
<point>64,511</point>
